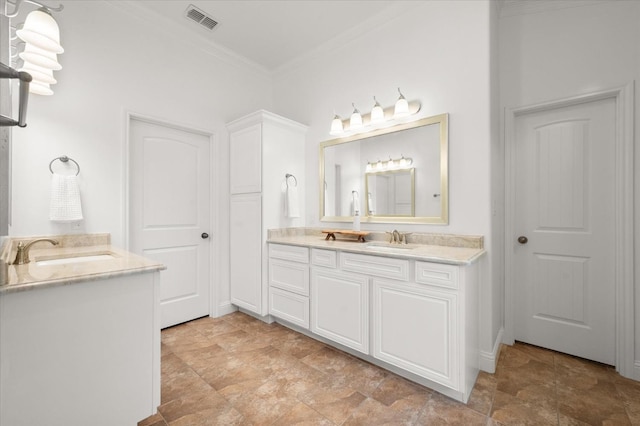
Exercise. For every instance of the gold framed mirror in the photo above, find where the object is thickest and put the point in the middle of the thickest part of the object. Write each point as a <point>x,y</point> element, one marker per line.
<point>410,163</point>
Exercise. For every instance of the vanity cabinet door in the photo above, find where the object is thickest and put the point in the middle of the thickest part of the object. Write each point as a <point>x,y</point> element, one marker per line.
<point>340,307</point>
<point>416,328</point>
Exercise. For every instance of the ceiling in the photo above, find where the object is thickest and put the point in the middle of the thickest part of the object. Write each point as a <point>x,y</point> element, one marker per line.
<point>273,33</point>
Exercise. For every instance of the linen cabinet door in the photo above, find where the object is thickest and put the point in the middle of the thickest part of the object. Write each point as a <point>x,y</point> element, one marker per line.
<point>340,307</point>
<point>246,253</point>
<point>416,328</point>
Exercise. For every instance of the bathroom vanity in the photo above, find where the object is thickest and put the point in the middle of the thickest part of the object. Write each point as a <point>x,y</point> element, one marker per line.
<point>79,335</point>
<point>412,309</point>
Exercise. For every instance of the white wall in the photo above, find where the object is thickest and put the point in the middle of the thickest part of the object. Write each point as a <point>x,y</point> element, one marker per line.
<point>116,62</point>
<point>567,52</point>
<point>438,53</point>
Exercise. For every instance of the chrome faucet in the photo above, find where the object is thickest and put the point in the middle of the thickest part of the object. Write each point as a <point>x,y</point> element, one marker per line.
<point>22,254</point>
<point>396,236</point>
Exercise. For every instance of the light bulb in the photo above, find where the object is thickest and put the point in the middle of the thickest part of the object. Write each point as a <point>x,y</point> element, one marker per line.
<point>355,122</point>
<point>377,113</point>
<point>402,106</point>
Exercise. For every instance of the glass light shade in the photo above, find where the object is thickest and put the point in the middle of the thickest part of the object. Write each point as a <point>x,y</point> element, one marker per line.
<point>40,29</point>
<point>41,57</point>
<point>40,88</point>
<point>402,107</point>
<point>377,113</point>
<point>355,122</point>
<point>39,74</point>
<point>336,126</point>
<point>379,165</point>
<point>405,162</point>
<point>391,164</point>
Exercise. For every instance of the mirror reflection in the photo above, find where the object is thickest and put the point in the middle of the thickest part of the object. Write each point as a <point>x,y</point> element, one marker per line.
<point>399,174</point>
<point>390,193</point>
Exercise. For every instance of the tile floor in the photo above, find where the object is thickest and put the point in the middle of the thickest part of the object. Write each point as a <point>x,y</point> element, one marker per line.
<point>236,370</point>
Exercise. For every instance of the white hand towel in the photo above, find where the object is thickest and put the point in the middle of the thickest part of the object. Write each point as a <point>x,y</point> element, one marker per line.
<point>291,204</point>
<point>65,199</point>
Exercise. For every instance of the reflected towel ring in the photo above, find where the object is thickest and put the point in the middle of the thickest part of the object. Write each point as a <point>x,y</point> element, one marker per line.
<point>65,159</point>
<point>287,176</point>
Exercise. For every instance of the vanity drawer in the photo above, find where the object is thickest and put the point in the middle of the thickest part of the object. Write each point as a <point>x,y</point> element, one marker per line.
<point>386,267</point>
<point>289,307</point>
<point>326,258</point>
<point>437,274</point>
<point>293,253</point>
<point>291,276</point>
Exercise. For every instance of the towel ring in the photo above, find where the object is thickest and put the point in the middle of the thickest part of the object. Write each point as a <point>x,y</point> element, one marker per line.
<point>65,159</point>
<point>287,176</point>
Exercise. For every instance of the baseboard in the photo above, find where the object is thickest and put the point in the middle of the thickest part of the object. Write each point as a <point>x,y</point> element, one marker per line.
<point>226,308</point>
<point>489,360</point>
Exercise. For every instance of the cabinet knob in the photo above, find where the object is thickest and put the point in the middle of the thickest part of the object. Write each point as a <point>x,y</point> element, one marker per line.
<point>522,239</point>
<point>204,235</point>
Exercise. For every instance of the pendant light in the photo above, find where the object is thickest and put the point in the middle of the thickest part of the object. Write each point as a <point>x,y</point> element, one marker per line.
<point>377,113</point>
<point>402,106</point>
<point>38,73</point>
<point>355,122</point>
<point>41,30</point>
<point>41,57</point>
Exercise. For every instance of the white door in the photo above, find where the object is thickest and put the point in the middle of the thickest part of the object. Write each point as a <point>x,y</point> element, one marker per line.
<point>565,229</point>
<point>169,214</point>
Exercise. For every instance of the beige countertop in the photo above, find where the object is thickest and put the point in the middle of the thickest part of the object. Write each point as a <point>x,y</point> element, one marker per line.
<point>35,274</point>
<point>424,252</point>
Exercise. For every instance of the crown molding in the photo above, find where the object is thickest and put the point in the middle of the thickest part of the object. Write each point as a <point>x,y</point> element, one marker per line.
<point>524,7</point>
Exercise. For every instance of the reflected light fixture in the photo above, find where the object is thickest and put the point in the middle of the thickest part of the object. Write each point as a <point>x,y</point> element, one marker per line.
<point>402,106</point>
<point>382,166</point>
<point>377,113</point>
<point>355,122</point>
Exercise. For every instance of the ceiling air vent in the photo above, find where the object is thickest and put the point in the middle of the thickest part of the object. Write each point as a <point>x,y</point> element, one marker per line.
<point>198,16</point>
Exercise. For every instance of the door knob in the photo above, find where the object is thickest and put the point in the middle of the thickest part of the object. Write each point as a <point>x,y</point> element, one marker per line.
<point>204,235</point>
<point>522,239</point>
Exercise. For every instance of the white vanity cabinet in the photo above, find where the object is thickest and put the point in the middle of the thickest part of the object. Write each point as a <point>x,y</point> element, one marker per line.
<point>289,284</point>
<point>264,147</point>
<point>340,307</point>
<point>416,318</point>
<point>420,326</point>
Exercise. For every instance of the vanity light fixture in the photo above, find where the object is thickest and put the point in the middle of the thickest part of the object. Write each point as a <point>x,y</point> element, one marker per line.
<point>355,122</point>
<point>336,126</point>
<point>381,166</point>
<point>379,117</point>
<point>377,113</point>
<point>401,108</point>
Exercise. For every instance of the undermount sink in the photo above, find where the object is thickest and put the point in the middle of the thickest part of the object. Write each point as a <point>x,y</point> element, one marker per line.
<point>389,247</point>
<point>74,259</point>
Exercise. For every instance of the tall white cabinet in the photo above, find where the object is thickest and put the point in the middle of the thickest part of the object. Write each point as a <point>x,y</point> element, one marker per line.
<point>264,148</point>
